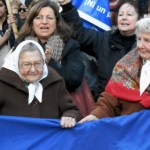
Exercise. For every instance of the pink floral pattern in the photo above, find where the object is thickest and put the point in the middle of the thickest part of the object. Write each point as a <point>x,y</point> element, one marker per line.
<point>128,69</point>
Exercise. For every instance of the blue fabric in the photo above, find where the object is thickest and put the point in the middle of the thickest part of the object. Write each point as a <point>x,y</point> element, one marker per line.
<point>121,133</point>
<point>95,13</point>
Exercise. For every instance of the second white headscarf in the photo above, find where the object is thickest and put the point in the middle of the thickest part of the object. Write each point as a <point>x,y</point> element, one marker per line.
<point>145,77</point>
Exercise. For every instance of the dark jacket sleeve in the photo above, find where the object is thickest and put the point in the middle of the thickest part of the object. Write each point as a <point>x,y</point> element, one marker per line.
<point>93,42</point>
<point>71,67</point>
<point>89,39</point>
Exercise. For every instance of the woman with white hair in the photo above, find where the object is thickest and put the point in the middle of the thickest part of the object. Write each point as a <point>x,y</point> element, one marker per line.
<point>29,88</point>
<point>128,90</point>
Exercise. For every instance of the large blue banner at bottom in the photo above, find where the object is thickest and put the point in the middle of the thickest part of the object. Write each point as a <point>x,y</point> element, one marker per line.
<point>124,133</point>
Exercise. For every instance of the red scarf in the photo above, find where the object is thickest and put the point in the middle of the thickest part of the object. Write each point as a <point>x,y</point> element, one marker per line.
<point>124,82</point>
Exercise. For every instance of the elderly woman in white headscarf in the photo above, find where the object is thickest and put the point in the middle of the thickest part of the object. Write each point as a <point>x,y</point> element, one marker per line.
<point>28,88</point>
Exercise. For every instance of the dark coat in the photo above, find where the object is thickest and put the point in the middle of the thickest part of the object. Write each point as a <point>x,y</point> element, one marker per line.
<point>56,101</point>
<point>143,6</point>
<point>11,38</point>
<point>71,67</point>
<point>107,47</point>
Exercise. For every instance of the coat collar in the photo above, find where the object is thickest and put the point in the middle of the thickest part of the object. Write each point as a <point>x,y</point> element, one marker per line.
<point>11,78</point>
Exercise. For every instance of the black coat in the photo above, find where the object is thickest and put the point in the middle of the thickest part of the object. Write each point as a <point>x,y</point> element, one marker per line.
<point>107,47</point>
<point>5,26</point>
<point>71,67</point>
<point>11,38</point>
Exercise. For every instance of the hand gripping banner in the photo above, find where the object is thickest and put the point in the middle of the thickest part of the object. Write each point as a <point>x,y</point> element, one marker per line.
<point>130,132</point>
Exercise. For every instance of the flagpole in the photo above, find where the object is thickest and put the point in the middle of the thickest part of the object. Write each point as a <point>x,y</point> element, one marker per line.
<point>10,12</point>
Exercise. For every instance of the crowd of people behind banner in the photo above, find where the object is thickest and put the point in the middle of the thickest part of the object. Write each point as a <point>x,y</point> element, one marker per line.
<point>119,87</point>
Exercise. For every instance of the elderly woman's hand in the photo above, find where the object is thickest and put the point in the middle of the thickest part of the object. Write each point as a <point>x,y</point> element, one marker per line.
<point>88,118</point>
<point>67,122</point>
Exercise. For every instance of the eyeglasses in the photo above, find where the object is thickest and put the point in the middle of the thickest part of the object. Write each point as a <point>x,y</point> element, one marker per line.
<point>37,65</point>
<point>22,10</point>
<point>48,18</point>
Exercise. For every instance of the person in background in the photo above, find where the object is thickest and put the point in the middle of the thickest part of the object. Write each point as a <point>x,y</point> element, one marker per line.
<point>3,17</point>
<point>114,6</point>
<point>6,34</point>
<point>128,90</point>
<point>45,25</point>
<point>5,30</point>
<point>28,88</point>
<point>16,17</point>
<point>23,12</point>
<point>107,47</point>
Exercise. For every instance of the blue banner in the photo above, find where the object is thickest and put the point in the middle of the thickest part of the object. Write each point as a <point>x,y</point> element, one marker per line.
<point>121,133</point>
<point>95,13</point>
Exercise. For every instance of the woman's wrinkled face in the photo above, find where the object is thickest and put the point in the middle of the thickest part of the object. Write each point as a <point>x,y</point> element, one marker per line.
<point>31,66</point>
<point>143,45</point>
<point>127,18</point>
<point>44,24</point>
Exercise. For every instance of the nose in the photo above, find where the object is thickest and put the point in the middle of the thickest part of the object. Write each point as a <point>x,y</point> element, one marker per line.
<point>32,69</point>
<point>44,20</point>
<point>124,17</point>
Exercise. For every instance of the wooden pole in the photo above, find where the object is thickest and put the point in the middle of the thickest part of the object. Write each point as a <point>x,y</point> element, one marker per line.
<point>10,12</point>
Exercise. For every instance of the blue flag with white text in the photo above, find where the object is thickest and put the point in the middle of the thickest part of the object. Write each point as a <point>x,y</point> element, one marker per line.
<point>129,132</point>
<point>95,13</point>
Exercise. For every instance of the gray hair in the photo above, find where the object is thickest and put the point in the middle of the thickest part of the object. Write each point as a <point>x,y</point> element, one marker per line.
<point>143,25</point>
<point>30,47</point>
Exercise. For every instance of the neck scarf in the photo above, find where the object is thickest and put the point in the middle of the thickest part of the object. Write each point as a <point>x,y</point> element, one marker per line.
<point>55,43</point>
<point>125,81</point>
<point>11,63</point>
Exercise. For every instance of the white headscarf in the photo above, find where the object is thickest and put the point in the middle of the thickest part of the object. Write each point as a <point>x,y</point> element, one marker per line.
<point>11,63</point>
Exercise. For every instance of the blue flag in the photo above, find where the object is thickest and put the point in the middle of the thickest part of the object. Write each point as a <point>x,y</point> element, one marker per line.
<point>95,13</point>
<point>129,132</point>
